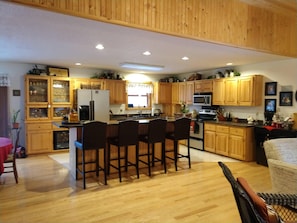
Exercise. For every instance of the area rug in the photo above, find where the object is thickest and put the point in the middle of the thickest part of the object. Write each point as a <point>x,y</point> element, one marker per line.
<point>62,158</point>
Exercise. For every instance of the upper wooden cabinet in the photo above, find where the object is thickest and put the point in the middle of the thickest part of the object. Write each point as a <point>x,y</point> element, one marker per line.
<point>175,93</point>
<point>238,91</point>
<point>88,83</point>
<point>203,86</point>
<point>117,91</point>
<point>162,93</point>
<point>218,96</point>
<point>182,92</point>
<point>47,97</point>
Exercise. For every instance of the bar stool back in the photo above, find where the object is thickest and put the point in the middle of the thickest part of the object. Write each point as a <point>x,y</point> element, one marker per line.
<point>93,138</point>
<point>181,132</point>
<point>156,134</point>
<point>127,136</point>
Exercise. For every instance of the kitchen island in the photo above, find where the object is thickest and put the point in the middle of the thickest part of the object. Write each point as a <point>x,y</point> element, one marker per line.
<point>75,132</point>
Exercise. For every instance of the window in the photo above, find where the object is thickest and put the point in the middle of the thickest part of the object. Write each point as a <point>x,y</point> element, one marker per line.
<point>139,95</point>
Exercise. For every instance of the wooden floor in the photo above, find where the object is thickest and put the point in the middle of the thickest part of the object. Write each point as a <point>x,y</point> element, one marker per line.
<point>47,193</point>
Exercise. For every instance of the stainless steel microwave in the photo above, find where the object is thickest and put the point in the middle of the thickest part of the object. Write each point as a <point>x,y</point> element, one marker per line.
<point>203,99</point>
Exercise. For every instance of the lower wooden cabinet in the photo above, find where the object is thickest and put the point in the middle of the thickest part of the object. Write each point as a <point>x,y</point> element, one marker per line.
<point>39,138</point>
<point>232,141</point>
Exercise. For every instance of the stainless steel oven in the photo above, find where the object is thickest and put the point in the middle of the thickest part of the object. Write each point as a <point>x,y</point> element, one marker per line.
<point>197,133</point>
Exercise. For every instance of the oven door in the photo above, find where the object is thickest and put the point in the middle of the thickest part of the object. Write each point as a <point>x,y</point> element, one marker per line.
<point>196,136</point>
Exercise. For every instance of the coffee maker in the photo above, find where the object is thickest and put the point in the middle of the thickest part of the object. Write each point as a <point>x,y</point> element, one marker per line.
<point>268,115</point>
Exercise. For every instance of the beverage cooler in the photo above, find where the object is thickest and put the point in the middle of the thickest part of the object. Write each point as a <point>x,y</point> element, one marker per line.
<point>61,140</point>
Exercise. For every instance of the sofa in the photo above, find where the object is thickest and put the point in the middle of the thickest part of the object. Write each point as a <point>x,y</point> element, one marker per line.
<point>281,156</point>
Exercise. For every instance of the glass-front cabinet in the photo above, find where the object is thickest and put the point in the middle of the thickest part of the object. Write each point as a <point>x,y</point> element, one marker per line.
<point>47,97</point>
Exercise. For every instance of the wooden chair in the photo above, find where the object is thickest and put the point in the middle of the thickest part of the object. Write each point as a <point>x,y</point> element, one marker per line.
<point>127,136</point>
<point>93,138</point>
<point>10,163</point>
<point>156,134</point>
<point>181,132</point>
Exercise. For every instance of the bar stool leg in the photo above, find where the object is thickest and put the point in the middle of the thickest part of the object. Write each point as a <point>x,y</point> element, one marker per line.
<point>175,154</point>
<point>164,157</point>
<point>189,156</point>
<point>148,158</point>
<point>137,160</point>
<point>83,168</point>
<point>119,164</point>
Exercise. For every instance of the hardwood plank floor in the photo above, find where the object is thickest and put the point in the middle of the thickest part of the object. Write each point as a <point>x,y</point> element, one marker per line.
<point>47,193</point>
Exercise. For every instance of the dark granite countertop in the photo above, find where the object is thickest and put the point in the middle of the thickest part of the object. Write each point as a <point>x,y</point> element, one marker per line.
<point>239,124</point>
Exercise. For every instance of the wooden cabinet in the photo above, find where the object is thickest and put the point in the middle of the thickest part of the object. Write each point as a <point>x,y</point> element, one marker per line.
<point>250,90</point>
<point>47,99</point>
<point>117,91</point>
<point>210,137</point>
<point>162,93</point>
<point>175,93</point>
<point>39,137</point>
<point>238,91</point>
<point>185,92</point>
<point>231,96</point>
<point>222,140</point>
<point>203,86</point>
<point>232,141</point>
<point>88,83</point>
<point>218,96</point>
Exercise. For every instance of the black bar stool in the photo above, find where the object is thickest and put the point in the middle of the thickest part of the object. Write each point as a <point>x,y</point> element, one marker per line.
<point>127,136</point>
<point>156,134</point>
<point>181,132</point>
<point>93,138</point>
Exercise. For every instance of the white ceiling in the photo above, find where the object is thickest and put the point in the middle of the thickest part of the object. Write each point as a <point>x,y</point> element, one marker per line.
<point>36,36</point>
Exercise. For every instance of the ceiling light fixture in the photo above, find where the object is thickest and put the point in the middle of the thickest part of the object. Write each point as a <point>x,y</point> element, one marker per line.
<point>146,53</point>
<point>185,58</point>
<point>77,64</point>
<point>138,66</point>
<point>229,64</point>
<point>100,47</point>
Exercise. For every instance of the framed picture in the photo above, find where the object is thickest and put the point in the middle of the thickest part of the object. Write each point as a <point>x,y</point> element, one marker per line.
<point>16,92</point>
<point>270,105</point>
<point>58,71</point>
<point>286,98</point>
<point>270,88</point>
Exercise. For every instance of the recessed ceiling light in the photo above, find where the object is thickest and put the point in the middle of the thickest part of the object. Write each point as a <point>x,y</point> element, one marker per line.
<point>146,53</point>
<point>138,66</point>
<point>229,64</point>
<point>77,64</point>
<point>185,58</point>
<point>100,47</point>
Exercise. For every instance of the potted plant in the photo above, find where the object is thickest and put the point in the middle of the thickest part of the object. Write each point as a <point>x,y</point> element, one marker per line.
<point>15,115</point>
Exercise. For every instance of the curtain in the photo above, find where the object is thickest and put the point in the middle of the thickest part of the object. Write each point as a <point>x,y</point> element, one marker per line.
<point>139,88</point>
<point>4,128</point>
<point>4,81</point>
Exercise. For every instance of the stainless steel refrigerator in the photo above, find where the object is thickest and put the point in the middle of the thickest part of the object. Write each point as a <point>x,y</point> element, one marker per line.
<point>93,105</point>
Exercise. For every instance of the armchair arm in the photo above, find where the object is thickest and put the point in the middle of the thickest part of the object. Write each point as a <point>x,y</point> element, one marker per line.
<point>283,176</point>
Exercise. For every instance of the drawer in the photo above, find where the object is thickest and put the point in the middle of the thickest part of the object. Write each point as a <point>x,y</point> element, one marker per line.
<point>209,127</point>
<point>237,131</point>
<point>39,126</point>
<point>223,129</point>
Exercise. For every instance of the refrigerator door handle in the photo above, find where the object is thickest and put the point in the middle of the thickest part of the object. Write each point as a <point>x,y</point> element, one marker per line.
<point>92,104</point>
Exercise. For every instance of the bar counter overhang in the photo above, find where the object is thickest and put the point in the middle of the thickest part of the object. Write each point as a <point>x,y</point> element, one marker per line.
<point>75,132</point>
